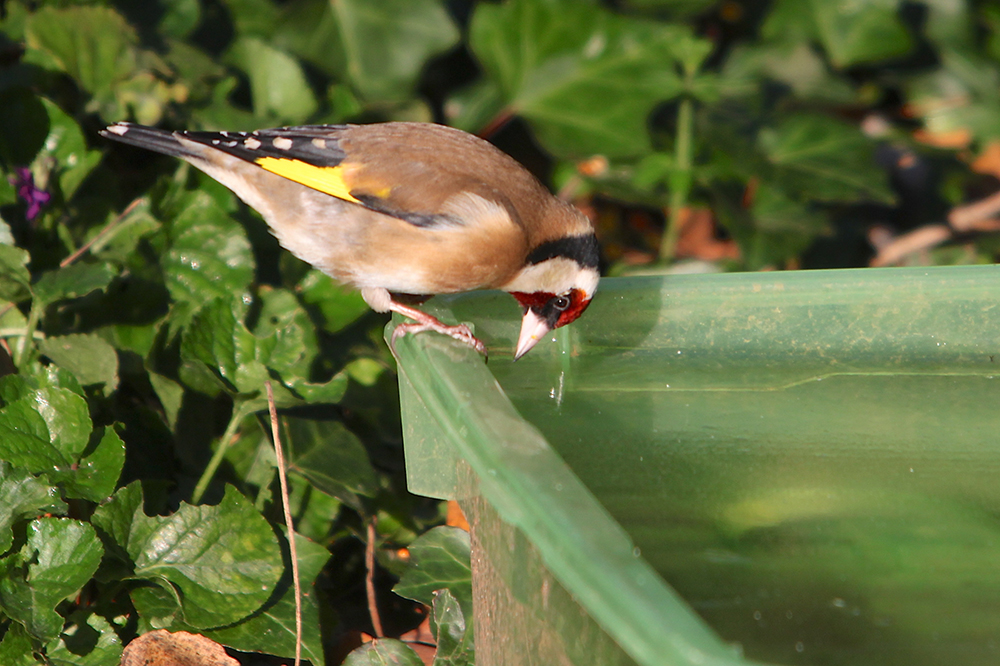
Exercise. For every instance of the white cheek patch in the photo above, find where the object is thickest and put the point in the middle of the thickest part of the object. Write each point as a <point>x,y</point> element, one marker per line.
<point>555,276</point>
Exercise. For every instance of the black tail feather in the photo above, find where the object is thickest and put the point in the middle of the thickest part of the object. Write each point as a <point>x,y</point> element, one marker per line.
<point>151,138</point>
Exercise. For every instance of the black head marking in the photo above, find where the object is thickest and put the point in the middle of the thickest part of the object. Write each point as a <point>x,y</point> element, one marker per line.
<point>584,250</point>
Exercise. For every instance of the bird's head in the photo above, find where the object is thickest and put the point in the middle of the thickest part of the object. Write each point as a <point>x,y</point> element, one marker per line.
<point>555,286</point>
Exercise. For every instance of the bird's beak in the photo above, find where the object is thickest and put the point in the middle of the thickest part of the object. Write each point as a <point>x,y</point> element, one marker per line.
<point>533,329</point>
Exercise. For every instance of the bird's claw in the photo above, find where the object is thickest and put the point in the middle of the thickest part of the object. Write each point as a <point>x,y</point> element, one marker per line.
<point>461,332</point>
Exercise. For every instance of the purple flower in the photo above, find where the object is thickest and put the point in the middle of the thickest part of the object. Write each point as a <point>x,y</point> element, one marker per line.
<point>24,182</point>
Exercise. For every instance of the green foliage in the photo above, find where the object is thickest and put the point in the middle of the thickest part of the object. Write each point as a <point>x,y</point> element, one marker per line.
<point>557,62</point>
<point>384,652</point>
<point>143,307</point>
<point>440,559</point>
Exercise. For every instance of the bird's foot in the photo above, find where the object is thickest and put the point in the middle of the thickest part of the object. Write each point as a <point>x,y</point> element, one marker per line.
<point>425,322</point>
<point>460,333</point>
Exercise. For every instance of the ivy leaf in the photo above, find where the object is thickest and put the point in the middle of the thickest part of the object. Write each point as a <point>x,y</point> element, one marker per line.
<point>59,556</point>
<point>959,97</point>
<point>774,211</point>
<point>67,417</point>
<point>272,630</point>
<point>93,642</point>
<point>330,456</point>
<point>115,518</point>
<point>825,160</point>
<point>339,305</point>
<point>286,332</point>
<point>43,429</point>
<point>383,652</point>
<point>277,83</point>
<point>218,339</point>
<point>453,638</point>
<point>851,33</point>
<point>88,357</point>
<point>384,45</point>
<point>22,495</point>
<point>66,145</point>
<point>558,62</point>
<point>439,559</point>
<point>15,281</point>
<point>17,648</point>
<point>330,392</point>
<point>96,475</point>
<point>209,256</point>
<point>224,560</point>
<point>94,45</point>
<point>73,281</point>
<point>856,33</point>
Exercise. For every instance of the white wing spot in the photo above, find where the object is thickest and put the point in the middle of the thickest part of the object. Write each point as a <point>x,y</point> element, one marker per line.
<point>282,143</point>
<point>224,133</point>
<point>118,129</point>
<point>319,143</point>
<point>251,143</point>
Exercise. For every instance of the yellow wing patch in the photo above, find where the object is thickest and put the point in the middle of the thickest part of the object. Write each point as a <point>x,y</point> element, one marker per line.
<point>329,180</point>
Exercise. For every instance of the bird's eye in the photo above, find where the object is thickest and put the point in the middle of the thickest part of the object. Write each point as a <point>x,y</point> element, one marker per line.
<point>560,303</point>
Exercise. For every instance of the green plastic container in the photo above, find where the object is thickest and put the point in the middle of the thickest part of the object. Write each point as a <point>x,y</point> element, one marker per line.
<point>785,468</point>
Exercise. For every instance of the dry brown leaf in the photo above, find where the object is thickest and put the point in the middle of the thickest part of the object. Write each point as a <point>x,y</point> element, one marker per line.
<point>698,240</point>
<point>455,516</point>
<point>595,167</point>
<point>421,640</point>
<point>162,648</point>
<point>954,139</point>
<point>988,161</point>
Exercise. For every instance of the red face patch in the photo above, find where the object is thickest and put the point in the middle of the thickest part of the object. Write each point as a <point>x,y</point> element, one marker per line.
<point>558,310</point>
<point>578,302</point>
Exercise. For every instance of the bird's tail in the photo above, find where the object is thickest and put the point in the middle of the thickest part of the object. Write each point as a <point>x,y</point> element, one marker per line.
<point>151,138</point>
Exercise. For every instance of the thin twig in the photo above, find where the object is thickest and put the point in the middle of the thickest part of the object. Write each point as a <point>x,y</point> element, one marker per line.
<point>494,125</point>
<point>103,232</point>
<point>283,480</point>
<point>920,239</point>
<point>370,579</point>
<point>967,217</point>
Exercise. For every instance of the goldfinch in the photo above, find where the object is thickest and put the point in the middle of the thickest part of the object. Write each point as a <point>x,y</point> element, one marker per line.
<point>403,211</point>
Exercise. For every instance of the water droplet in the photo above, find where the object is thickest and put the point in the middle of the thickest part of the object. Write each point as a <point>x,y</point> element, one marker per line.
<point>636,552</point>
<point>839,603</point>
<point>757,615</point>
<point>800,647</point>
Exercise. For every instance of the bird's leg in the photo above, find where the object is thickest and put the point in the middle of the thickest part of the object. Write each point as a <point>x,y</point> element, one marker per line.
<point>425,322</point>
